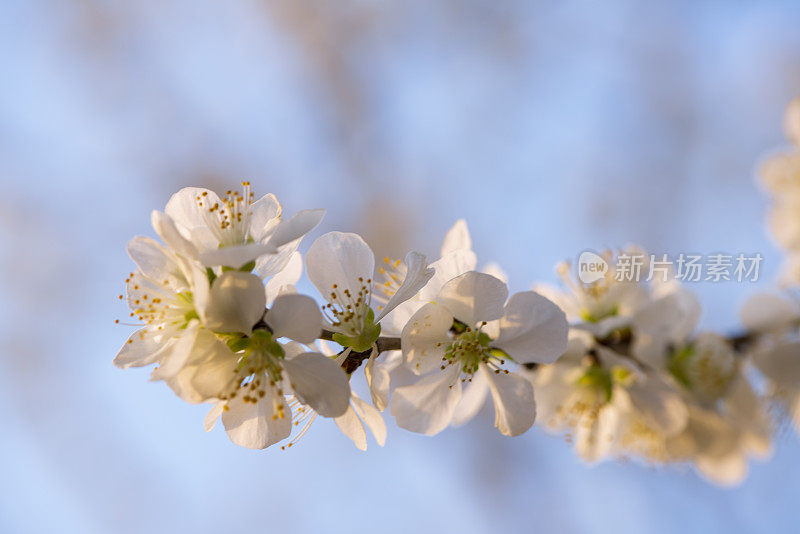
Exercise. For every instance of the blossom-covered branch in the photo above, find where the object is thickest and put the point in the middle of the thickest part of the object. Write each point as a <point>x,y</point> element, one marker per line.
<point>616,364</point>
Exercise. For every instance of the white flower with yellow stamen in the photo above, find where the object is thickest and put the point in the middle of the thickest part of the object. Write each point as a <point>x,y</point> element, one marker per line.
<point>776,354</point>
<point>262,385</point>
<point>341,266</point>
<point>607,405</point>
<point>468,335</point>
<point>666,320</point>
<point>602,306</point>
<point>456,258</point>
<point>171,295</point>
<point>728,421</point>
<point>234,230</point>
<point>717,444</point>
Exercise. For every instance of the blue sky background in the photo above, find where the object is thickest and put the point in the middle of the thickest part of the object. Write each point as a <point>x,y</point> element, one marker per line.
<point>550,128</point>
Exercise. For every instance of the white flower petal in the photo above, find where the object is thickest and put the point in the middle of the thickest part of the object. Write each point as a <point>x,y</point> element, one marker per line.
<point>294,349</point>
<point>339,260</point>
<point>392,359</point>
<point>171,236</point>
<point>595,437</point>
<point>181,385</point>
<point>393,323</point>
<point>457,238</point>
<point>424,338</point>
<point>472,399</point>
<point>378,381</point>
<point>235,256</point>
<point>445,269</point>
<point>252,425</point>
<point>288,276</point>
<point>236,302</point>
<point>296,317</point>
<point>184,209</point>
<point>747,411</point>
<point>318,382</point>
<point>212,416</point>
<point>371,417</point>
<point>474,297</point>
<point>495,270</point>
<point>139,350</point>
<point>205,348</point>
<point>216,374</point>
<point>764,312</point>
<point>151,258</point>
<point>784,224</point>
<point>514,405</point>
<point>660,405</point>
<point>671,317</point>
<point>140,288</point>
<point>177,357</point>
<point>725,470</point>
<point>791,121</point>
<point>352,427</point>
<point>532,329</point>
<point>272,264</point>
<point>264,216</point>
<point>780,364</point>
<point>417,275</point>
<point>427,406</point>
<point>200,288</point>
<point>295,228</point>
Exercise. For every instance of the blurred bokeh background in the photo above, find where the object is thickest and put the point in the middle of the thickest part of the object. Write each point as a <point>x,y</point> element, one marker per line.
<point>551,127</point>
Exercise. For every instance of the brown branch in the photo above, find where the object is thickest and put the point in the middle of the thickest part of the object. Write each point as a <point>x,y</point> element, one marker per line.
<point>355,359</point>
<point>619,341</point>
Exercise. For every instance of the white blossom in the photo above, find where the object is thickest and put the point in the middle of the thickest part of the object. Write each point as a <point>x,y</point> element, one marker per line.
<point>607,404</point>
<point>776,353</point>
<point>465,337</point>
<point>250,383</point>
<point>456,258</point>
<point>341,266</point>
<point>173,298</point>
<point>235,230</point>
<point>602,306</point>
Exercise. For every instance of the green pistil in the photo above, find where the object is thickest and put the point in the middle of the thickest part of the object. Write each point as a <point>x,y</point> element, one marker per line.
<point>362,342</point>
<point>469,349</point>
<point>677,365</point>
<point>261,351</point>
<point>211,275</point>
<point>596,377</point>
<point>590,318</point>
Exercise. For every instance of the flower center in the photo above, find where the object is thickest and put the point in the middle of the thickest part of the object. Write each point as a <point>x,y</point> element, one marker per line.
<point>469,349</point>
<point>711,371</point>
<point>707,368</point>
<point>594,298</point>
<point>347,311</point>
<point>164,307</point>
<point>260,367</point>
<point>228,219</point>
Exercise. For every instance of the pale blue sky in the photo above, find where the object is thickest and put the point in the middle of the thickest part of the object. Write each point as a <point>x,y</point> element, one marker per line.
<point>550,129</point>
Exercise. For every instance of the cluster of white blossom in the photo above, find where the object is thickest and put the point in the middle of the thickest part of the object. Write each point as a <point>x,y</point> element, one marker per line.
<point>224,325</point>
<point>638,381</point>
<point>618,365</point>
